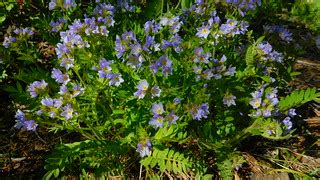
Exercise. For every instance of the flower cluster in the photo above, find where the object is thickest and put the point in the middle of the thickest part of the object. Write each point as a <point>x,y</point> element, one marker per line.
<point>164,63</point>
<point>218,69</point>
<point>105,71</point>
<point>283,32</point>
<point>158,119</point>
<point>267,53</point>
<point>233,27</point>
<point>143,87</point>
<point>20,33</point>
<point>126,6</point>
<point>23,122</point>
<point>245,5</point>
<point>65,4</point>
<point>264,103</point>
<point>287,121</point>
<point>205,29</point>
<point>57,25</point>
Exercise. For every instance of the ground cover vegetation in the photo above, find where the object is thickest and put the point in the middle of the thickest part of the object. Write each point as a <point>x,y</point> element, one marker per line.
<point>160,88</point>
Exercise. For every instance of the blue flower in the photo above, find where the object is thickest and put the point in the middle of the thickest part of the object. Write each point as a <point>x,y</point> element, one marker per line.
<point>228,99</point>
<point>49,102</point>
<point>292,112</point>
<point>115,79</point>
<point>203,31</point>
<point>287,122</point>
<point>67,4</point>
<point>255,103</point>
<point>142,89</point>
<point>8,40</point>
<point>59,76</point>
<point>171,118</point>
<point>144,148</point>
<point>67,112</point>
<point>67,63</point>
<point>136,49</point>
<point>200,111</point>
<point>157,108</point>
<point>151,27</point>
<point>155,91</point>
<point>52,4</point>
<point>23,122</point>
<point>265,47</point>
<point>104,68</point>
<point>37,87</point>
<point>157,121</point>
<point>57,26</point>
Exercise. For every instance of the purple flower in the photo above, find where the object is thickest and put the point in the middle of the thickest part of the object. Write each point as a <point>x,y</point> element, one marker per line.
<point>142,89</point>
<point>105,68</point>
<point>201,56</point>
<point>37,87</point>
<point>120,47</point>
<point>230,27</point>
<point>292,112</point>
<point>171,118</point>
<point>144,148</point>
<point>265,47</point>
<point>76,90</point>
<point>63,89</point>
<point>151,27</point>
<point>203,31</point>
<point>228,99</point>
<point>57,26</point>
<point>135,61</point>
<point>136,49</point>
<point>255,103</point>
<point>52,4</point>
<point>67,112</point>
<point>155,91</point>
<point>257,94</point>
<point>230,72</point>
<point>156,121</point>
<point>128,36</point>
<point>67,4</point>
<point>115,79</point>
<point>49,102</point>
<point>8,40</point>
<point>59,76</point>
<point>157,108</point>
<point>104,10</point>
<point>62,50</point>
<point>266,112</point>
<point>207,74</point>
<point>67,63</point>
<point>177,100</point>
<point>23,122</point>
<point>150,42</point>
<point>287,122</point>
<point>199,112</point>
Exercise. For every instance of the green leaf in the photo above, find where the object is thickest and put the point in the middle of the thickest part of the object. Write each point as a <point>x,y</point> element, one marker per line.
<point>2,18</point>
<point>298,98</point>
<point>250,56</point>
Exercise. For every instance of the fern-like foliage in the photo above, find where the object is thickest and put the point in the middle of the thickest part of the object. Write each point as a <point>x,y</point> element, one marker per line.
<point>102,156</point>
<point>169,161</point>
<point>298,98</point>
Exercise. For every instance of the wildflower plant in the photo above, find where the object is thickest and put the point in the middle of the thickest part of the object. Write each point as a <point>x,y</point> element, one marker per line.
<point>167,91</point>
